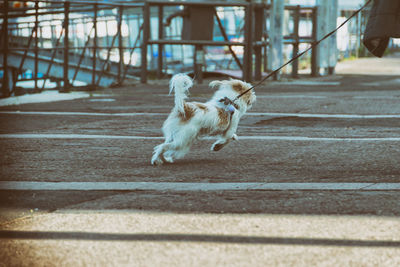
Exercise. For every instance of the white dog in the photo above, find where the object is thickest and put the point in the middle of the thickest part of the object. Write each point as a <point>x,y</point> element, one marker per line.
<point>190,120</point>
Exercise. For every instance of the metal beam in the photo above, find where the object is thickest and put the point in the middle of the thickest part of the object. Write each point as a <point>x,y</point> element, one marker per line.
<point>5,86</point>
<point>276,36</point>
<point>66,47</point>
<point>146,34</point>
<point>248,49</point>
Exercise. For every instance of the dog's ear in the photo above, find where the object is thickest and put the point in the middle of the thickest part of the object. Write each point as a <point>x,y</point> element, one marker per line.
<point>238,86</point>
<point>215,84</point>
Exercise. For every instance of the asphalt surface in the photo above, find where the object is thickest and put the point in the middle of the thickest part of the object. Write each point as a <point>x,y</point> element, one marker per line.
<point>338,129</point>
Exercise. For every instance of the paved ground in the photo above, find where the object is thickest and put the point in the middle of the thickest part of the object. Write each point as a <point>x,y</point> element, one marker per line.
<point>314,179</point>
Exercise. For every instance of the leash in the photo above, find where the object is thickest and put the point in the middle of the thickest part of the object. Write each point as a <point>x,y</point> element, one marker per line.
<point>297,56</point>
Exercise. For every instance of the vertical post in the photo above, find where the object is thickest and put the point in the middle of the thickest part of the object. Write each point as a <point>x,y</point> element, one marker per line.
<point>146,34</point>
<point>258,31</point>
<point>265,49</point>
<point>160,46</point>
<point>295,64</point>
<point>332,42</point>
<point>36,68</point>
<point>322,29</point>
<point>198,63</point>
<point>5,87</point>
<point>120,45</point>
<point>276,36</point>
<point>248,40</point>
<point>362,15</point>
<point>94,46</point>
<point>359,32</point>
<point>66,46</point>
<point>314,51</point>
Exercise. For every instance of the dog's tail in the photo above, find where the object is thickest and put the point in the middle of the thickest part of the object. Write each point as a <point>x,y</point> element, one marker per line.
<point>180,83</point>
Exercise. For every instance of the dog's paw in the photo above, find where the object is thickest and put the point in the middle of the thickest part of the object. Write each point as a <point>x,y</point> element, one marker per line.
<point>235,137</point>
<point>156,161</point>
<point>217,147</point>
<point>168,159</point>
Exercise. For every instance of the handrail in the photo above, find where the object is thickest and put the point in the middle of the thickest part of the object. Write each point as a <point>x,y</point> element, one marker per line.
<point>144,39</point>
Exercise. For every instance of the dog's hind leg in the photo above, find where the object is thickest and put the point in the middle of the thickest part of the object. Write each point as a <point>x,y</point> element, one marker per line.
<point>180,146</point>
<point>177,153</point>
<point>158,154</point>
<point>168,156</point>
<point>167,152</point>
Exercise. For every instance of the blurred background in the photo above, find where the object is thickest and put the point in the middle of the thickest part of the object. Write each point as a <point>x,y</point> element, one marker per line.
<point>53,44</point>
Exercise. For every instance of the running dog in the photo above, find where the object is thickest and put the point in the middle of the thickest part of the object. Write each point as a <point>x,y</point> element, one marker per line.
<point>188,121</point>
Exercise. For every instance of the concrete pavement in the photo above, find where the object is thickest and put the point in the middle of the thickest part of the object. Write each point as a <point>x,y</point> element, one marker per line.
<point>133,238</point>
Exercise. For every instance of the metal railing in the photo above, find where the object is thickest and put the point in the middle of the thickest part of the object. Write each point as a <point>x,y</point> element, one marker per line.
<point>255,37</point>
<point>46,38</point>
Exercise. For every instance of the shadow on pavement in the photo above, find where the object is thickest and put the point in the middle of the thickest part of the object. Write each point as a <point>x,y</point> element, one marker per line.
<point>41,235</point>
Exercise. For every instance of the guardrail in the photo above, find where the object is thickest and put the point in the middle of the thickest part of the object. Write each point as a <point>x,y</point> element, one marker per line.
<point>255,37</point>
<point>100,60</point>
<point>58,53</point>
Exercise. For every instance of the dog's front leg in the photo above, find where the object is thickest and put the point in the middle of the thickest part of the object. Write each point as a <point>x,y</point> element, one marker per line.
<point>219,144</point>
<point>229,135</point>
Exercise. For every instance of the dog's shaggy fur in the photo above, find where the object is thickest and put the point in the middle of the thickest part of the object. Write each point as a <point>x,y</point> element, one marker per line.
<point>190,120</point>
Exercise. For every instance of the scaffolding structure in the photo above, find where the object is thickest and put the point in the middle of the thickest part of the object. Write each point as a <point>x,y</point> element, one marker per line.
<point>100,43</point>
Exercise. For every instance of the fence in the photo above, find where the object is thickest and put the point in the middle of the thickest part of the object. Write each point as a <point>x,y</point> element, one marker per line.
<point>103,43</point>
<point>252,37</point>
<point>69,41</point>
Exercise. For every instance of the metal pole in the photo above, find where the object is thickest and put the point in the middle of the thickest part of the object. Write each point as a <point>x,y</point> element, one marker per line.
<point>5,87</point>
<point>94,47</point>
<point>66,46</point>
<point>332,42</point>
<point>275,58</point>
<point>146,33</point>
<point>295,64</point>
<point>198,63</point>
<point>120,45</point>
<point>322,29</point>
<point>36,68</point>
<point>314,51</point>
<point>258,31</point>
<point>160,46</point>
<point>248,48</point>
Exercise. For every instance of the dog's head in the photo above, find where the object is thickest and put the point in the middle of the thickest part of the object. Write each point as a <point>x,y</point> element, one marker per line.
<point>232,88</point>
